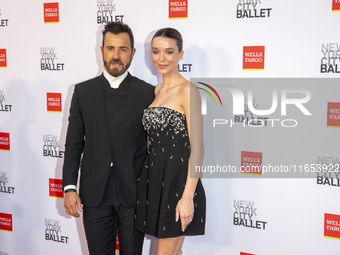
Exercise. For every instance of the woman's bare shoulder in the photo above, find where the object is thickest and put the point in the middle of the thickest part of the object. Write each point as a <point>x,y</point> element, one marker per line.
<point>157,88</point>
<point>186,88</point>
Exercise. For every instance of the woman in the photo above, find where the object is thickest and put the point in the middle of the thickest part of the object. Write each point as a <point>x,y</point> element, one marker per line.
<point>171,204</point>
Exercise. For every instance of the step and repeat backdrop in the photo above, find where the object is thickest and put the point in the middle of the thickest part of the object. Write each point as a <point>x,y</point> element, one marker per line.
<point>269,77</point>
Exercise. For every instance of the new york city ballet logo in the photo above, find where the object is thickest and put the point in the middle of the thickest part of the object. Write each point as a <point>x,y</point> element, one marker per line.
<point>332,226</point>
<point>51,147</point>
<point>3,23</point>
<point>253,58</point>
<point>4,107</point>
<point>56,188</point>
<point>51,13</point>
<point>105,12</point>
<point>330,61</point>
<point>6,223</point>
<point>333,115</point>
<point>54,102</point>
<point>336,6</point>
<point>249,117</point>
<point>245,215</point>
<point>4,188</point>
<point>53,231</point>
<point>184,68</point>
<point>48,60</point>
<point>178,9</point>
<point>251,9</point>
<point>327,171</point>
<point>5,144</point>
<point>3,58</point>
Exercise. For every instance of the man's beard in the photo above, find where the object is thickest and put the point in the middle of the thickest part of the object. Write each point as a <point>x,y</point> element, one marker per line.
<point>114,71</point>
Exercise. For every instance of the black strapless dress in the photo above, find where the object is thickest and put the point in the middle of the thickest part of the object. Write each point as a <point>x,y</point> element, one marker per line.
<point>163,177</point>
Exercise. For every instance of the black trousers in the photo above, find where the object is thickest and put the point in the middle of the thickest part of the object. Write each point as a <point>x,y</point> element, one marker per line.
<point>101,224</point>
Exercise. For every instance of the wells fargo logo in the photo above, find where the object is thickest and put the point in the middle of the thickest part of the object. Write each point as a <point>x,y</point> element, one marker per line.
<point>3,58</point>
<point>253,57</point>
<point>6,222</point>
<point>117,242</point>
<point>51,13</point>
<point>336,6</point>
<point>4,142</point>
<point>56,188</point>
<point>178,9</point>
<point>54,102</point>
<point>251,162</point>
<point>333,115</point>
<point>332,226</point>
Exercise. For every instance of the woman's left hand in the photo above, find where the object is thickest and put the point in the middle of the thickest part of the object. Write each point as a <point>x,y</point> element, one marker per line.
<point>185,211</point>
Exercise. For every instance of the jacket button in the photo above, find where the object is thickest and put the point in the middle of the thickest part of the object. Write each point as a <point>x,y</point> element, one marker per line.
<point>111,164</point>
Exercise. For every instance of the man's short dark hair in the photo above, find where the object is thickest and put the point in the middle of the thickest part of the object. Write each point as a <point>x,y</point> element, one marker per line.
<point>117,28</point>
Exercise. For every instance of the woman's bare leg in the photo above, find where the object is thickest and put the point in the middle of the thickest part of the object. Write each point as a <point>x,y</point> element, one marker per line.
<point>170,246</point>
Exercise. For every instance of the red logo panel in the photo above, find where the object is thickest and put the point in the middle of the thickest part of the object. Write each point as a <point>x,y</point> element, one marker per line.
<point>333,115</point>
<point>4,142</point>
<point>56,188</point>
<point>117,242</point>
<point>332,226</point>
<point>251,162</point>
<point>3,58</point>
<point>253,57</point>
<point>336,6</point>
<point>6,222</point>
<point>51,13</point>
<point>178,9</point>
<point>54,102</point>
<point>243,253</point>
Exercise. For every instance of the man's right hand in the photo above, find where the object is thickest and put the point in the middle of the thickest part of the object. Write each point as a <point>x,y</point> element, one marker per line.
<point>71,202</point>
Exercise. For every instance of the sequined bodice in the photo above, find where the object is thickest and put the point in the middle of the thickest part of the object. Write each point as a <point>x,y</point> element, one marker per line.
<point>165,126</point>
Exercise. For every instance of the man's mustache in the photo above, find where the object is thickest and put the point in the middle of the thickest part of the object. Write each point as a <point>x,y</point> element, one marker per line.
<point>116,61</point>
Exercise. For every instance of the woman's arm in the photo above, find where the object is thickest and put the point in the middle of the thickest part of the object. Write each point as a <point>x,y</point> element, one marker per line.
<point>191,103</point>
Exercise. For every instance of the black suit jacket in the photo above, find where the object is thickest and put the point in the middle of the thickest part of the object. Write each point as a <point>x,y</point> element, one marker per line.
<point>105,129</point>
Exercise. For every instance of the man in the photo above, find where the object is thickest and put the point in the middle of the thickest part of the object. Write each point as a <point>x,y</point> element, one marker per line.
<point>105,128</point>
